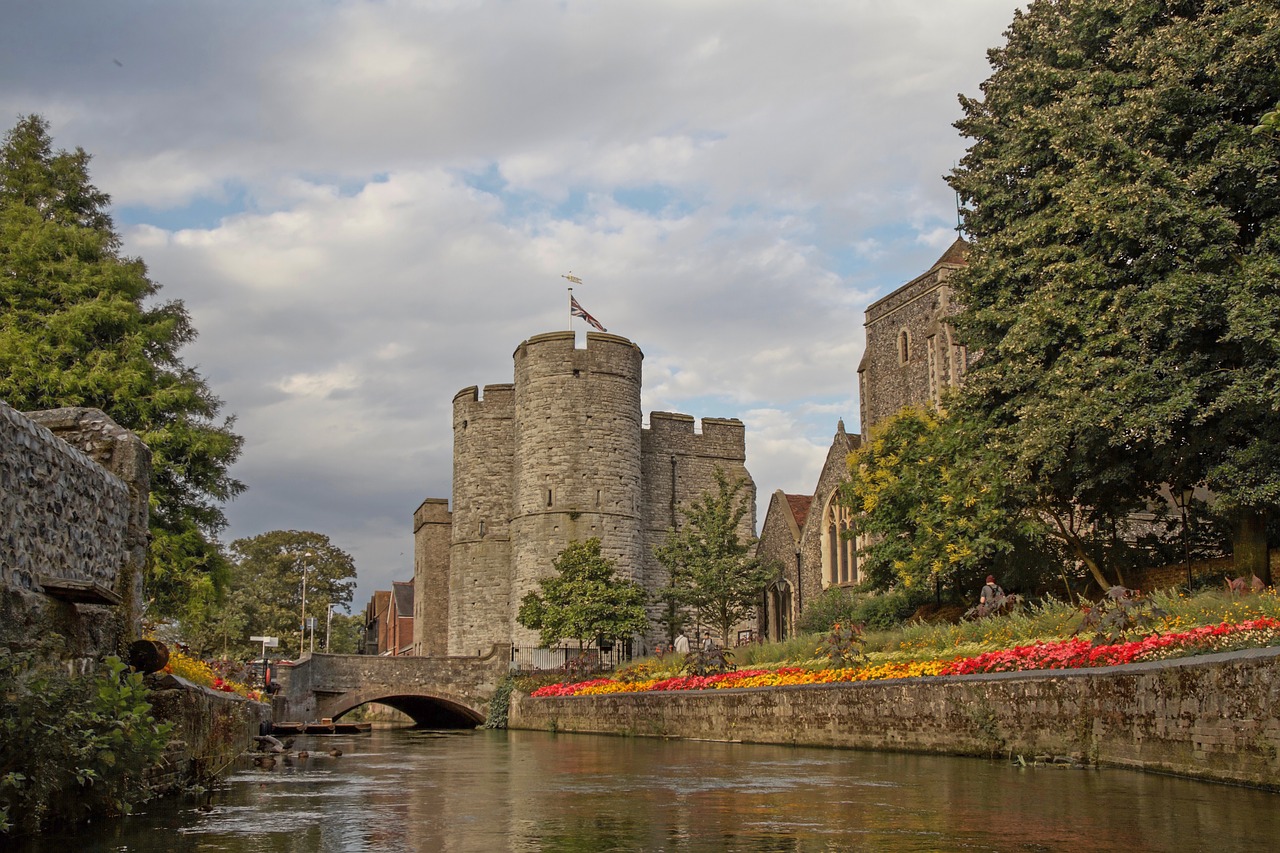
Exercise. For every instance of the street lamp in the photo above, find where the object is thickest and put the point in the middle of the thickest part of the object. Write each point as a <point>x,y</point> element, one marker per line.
<point>302,631</point>
<point>328,624</point>
<point>1183,499</point>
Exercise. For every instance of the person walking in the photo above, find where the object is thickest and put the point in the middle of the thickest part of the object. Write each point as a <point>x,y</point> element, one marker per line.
<point>682,644</point>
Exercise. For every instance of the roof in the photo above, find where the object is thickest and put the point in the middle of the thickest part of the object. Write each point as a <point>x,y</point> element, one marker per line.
<point>957,253</point>
<point>799,506</point>
<point>404,597</point>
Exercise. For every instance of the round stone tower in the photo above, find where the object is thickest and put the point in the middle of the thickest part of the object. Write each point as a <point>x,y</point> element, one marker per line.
<point>480,542</point>
<point>577,457</point>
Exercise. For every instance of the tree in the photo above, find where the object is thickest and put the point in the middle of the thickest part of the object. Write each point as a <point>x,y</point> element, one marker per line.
<point>264,596</point>
<point>346,634</point>
<point>933,508</point>
<point>710,569</point>
<point>585,600</point>
<point>75,331</point>
<point>1124,283</point>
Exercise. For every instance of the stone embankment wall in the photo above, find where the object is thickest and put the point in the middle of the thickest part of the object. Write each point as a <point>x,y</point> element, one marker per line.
<point>211,729</point>
<point>1215,717</point>
<point>74,488</point>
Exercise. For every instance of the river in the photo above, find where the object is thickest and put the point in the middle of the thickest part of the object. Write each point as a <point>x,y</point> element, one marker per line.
<point>403,790</point>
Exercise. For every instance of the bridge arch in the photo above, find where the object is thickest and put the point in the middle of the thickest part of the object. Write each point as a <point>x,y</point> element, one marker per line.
<point>435,709</point>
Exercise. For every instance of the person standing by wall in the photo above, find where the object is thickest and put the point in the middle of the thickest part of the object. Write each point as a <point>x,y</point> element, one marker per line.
<point>991,595</point>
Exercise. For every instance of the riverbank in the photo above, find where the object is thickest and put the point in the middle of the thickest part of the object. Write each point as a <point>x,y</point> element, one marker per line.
<point>211,728</point>
<point>1212,717</point>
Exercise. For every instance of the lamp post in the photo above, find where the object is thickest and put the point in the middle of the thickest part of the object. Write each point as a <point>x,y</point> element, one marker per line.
<point>302,631</point>
<point>328,624</point>
<point>1184,498</point>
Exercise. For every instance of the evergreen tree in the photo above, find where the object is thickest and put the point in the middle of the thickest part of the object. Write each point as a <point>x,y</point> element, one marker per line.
<point>585,600</point>
<point>76,330</point>
<point>1124,283</point>
<point>711,570</point>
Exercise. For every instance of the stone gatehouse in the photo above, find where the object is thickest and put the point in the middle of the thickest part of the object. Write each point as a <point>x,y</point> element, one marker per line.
<point>559,455</point>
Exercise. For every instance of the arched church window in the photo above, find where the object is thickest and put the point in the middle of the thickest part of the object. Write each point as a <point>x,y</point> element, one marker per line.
<point>839,552</point>
<point>904,346</point>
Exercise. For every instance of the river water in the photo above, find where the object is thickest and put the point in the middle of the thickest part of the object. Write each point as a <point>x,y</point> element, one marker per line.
<point>487,791</point>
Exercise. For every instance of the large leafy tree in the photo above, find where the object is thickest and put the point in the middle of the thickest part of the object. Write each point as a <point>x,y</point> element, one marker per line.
<point>77,329</point>
<point>1124,283</point>
<point>585,600</point>
<point>264,596</point>
<point>933,508</point>
<point>709,563</point>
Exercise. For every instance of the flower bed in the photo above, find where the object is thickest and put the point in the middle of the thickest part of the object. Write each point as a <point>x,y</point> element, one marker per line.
<point>202,673</point>
<point>1062,654</point>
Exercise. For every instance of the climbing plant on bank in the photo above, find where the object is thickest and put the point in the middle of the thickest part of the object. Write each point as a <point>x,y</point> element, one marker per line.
<point>72,748</point>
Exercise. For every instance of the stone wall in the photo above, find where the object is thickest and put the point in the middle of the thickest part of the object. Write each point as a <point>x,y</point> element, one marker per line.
<point>1175,574</point>
<point>211,729</point>
<point>1214,717</point>
<point>74,488</point>
<point>679,466</point>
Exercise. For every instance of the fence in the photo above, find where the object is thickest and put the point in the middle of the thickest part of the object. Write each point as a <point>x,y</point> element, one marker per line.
<point>526,659</point>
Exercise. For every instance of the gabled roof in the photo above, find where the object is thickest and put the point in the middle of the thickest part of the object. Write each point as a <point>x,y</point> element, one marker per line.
<point>957,254</point>
<point>799,506</point>
<point>404,597</point>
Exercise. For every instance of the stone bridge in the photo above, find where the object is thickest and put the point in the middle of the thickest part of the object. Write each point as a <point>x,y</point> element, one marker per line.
<point>440,692</point>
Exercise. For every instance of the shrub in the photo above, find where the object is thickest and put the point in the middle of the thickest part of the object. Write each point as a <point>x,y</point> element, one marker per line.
<point>72,748</point>
<point>835,605</point>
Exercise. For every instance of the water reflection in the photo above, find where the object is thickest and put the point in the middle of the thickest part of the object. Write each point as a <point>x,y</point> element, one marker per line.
<point>528,791</point>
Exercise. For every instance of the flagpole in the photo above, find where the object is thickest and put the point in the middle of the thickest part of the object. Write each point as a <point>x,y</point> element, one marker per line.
<point>571,309</point>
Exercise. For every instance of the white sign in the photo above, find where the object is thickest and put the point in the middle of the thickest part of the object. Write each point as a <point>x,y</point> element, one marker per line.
<point>269,642</point>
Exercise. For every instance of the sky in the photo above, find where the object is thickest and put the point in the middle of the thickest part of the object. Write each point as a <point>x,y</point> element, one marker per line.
<point>367,206</point>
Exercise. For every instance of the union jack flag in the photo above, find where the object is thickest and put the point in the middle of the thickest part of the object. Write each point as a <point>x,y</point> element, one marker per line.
<point>576,310</point>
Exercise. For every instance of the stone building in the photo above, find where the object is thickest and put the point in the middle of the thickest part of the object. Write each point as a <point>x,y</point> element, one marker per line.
<point>912,355</point>
<point>805,536</point>
<point>911,358</point>
<point>557,456</point>
<point>389,621</point>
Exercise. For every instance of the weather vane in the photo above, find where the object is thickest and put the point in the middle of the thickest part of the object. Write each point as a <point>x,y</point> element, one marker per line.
<point>576,310</point>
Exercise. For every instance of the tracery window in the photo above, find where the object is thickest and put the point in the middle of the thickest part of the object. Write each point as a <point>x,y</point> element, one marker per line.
<point>839,551</point>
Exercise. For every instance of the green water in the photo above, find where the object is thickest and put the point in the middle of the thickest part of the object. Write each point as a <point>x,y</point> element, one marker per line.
<point>399,789</point>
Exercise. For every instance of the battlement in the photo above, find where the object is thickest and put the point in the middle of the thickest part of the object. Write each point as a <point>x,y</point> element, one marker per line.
<point>670,423</point>
<point>557,352</point>
<point>431,511</point>
<point>673,433</point>
<point>496,397</point>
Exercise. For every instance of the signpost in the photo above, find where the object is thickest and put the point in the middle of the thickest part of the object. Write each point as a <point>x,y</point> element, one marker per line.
<point>267,643</point>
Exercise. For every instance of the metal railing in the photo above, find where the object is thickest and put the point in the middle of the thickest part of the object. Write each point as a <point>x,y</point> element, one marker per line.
<point>568,656</point>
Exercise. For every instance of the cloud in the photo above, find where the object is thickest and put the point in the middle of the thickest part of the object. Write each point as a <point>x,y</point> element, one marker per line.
<point>366,207</point>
